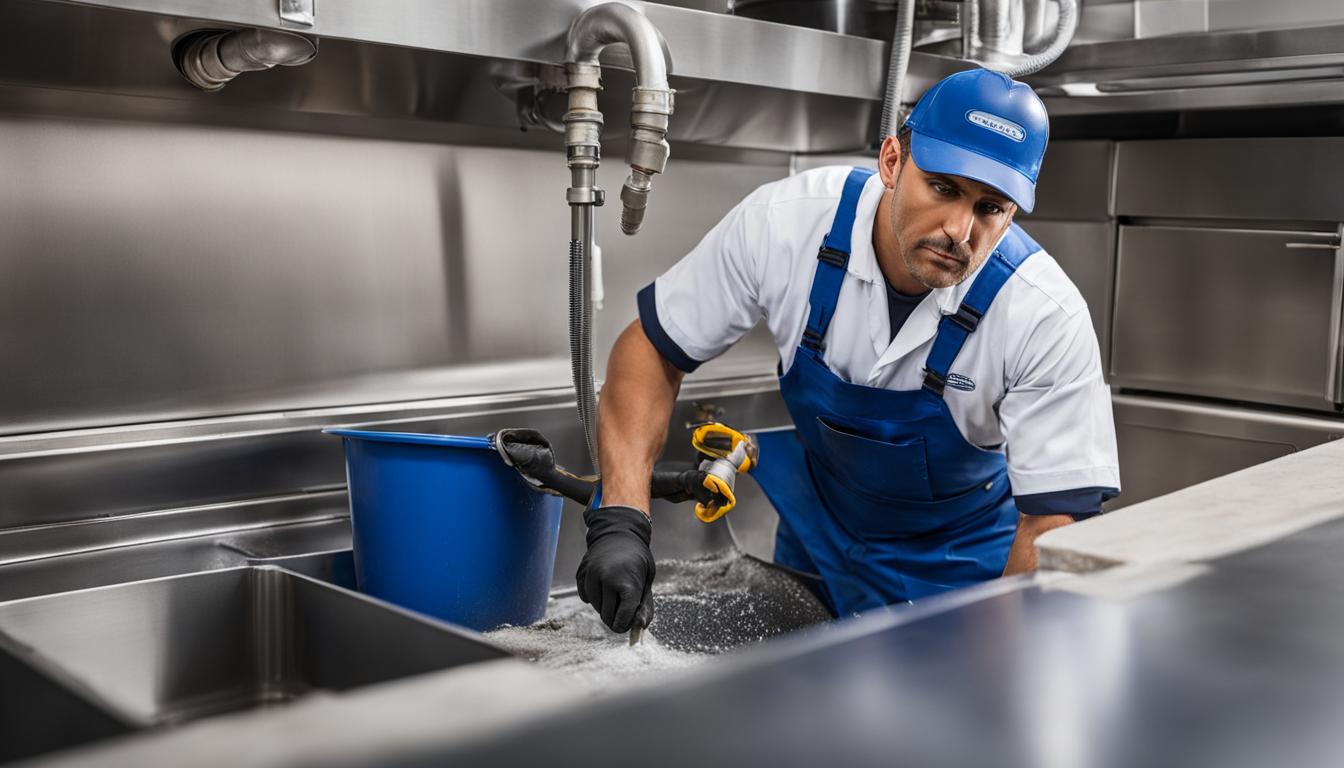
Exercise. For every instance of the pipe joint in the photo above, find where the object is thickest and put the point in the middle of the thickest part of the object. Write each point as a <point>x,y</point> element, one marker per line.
<point>583,128</point>
<point>210,59</point>
<point>634,199</point>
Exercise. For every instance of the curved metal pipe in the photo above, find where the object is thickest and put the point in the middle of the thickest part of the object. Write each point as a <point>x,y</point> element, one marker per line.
<point>209,59</point>
<point>610,23</point>
<point>594,30</point>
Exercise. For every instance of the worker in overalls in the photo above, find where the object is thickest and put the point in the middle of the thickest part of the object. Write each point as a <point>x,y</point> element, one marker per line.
<point>941,370</point>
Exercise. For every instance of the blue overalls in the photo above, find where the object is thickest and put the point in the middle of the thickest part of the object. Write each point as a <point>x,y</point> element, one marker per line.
<point>877,490</point>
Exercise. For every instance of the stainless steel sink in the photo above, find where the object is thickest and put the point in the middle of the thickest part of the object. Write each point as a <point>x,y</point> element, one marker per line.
<point>39,714</point>
<point>179,648</point>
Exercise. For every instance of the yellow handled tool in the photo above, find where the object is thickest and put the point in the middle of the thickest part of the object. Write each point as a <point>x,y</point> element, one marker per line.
<point>731,452</point>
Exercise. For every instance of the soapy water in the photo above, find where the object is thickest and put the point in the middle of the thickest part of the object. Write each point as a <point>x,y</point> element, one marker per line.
<point>702,607</point>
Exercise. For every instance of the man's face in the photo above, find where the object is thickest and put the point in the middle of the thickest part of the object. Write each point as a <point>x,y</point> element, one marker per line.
<point>945,226</point>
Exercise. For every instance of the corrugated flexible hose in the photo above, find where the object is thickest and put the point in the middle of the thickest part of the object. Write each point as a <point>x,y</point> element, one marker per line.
<point>896,68</point>
<point>581,345</point>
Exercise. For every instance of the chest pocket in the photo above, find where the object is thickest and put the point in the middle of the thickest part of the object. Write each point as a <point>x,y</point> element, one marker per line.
<point>885,470</point>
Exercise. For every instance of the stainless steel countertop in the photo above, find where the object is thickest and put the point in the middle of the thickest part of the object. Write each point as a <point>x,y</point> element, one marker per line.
<point>1238,666</point>
<point>1235,664</point>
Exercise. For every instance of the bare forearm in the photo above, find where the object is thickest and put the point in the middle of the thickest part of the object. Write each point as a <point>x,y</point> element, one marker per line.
<point>1022,556</point>
<point>632,415</point>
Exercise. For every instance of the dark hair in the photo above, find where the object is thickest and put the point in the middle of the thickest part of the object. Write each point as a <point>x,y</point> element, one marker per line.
<point>903,136</point>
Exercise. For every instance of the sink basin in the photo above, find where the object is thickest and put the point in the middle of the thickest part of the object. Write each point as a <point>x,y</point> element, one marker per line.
<point>175,649</point>
<point>39,714</point>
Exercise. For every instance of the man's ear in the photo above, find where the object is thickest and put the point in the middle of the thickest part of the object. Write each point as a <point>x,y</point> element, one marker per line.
<point>889,161</point>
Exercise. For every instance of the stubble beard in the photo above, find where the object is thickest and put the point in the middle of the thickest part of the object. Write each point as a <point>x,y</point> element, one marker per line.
<point>931,278</point>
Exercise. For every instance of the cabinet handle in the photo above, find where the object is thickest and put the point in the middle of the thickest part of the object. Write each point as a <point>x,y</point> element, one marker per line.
<point>1317,246</point>
<point>1334,381</point>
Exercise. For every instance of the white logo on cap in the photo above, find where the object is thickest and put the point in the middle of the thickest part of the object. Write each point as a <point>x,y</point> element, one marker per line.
<point>997,124</point>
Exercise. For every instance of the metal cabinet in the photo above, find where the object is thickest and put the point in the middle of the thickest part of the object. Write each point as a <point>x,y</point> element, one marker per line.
<point>1167,444</point>
<point>1074,223</point>
<point>1240,314</point>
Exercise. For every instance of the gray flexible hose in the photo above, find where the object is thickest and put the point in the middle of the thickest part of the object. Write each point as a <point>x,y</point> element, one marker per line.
<point>581,344</point>
<point>899,62</point>
<point>1064,29</point>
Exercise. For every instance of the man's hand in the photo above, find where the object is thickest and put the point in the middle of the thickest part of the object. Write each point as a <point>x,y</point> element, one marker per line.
<point>1022,556</point>
<point>616,573</point>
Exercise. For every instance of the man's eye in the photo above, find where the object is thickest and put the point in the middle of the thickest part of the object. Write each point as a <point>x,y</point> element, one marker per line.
<point>941,188</point>
<point>991,209</point>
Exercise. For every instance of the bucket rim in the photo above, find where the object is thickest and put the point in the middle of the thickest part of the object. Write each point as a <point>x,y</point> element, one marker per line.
<point>413,438</point>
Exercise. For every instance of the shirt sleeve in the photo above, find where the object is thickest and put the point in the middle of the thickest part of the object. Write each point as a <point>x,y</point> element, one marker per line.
<point>1056,418</point>
<point>707,301</point>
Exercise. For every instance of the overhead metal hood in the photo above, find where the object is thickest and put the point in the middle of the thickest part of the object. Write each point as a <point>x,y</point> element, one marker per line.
<point>741,83</point>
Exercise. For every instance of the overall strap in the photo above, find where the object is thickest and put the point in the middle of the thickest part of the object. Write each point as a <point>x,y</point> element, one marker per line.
<point>954,329</point>
<point>832,260</point>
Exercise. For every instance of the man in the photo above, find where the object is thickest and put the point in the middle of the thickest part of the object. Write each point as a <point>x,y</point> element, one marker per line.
<point>941,371</point>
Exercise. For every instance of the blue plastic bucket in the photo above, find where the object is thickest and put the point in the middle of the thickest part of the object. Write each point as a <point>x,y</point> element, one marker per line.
<point>444,527</point>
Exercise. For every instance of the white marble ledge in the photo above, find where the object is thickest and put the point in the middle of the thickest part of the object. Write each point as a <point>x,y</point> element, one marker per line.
<point>1227,514</point>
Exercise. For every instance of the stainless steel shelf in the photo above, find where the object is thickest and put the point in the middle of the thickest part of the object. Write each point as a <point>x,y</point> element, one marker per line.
<point>1232,70</point>
<point>704,46</point>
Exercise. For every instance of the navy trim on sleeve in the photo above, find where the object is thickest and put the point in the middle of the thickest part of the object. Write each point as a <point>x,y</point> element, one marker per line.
<point>1076,502</point>
<point>648,318</point>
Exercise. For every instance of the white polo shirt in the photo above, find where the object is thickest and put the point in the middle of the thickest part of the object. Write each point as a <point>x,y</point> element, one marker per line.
<point>1033,386</point>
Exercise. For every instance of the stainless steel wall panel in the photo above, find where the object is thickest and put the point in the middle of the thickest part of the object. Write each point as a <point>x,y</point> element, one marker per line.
<point>72,494</point>
<point>1253,14</point>
<point>166,272</point>
<point>1287,179</point>
<point>1226,313</point>
<point>1167,444</point>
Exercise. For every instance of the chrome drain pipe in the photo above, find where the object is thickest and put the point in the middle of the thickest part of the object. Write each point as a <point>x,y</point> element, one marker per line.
<point>592,31</point>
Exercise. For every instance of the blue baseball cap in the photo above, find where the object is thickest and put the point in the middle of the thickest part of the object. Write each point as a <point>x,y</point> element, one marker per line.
<point>985,126</point>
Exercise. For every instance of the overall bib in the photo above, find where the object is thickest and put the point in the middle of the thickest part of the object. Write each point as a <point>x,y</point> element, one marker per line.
<point>877,491</point>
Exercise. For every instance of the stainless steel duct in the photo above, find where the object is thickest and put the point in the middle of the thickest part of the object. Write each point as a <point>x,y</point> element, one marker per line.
<point>999,26</point>
<point>1006,42</point>
<point>1035,35</point>
<point>594,30</point>
<point>209,59</point>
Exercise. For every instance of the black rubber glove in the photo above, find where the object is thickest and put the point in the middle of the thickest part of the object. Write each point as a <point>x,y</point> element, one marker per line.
<point>616,573</point>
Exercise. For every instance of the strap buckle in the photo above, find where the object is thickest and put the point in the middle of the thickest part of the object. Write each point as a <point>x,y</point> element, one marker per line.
<point>833,257</point>
<point>966,317</point>
<point>934,382</point>
<point>812,339</point>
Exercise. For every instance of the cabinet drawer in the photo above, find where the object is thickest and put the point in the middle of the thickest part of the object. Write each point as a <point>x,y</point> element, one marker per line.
<point>1239,314</point>
<point>1167,444</point>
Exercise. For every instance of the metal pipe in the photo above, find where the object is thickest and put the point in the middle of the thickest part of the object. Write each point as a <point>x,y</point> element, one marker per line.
<point>594,30</point>
<point>602,25</point>
<point>209,59</point>
<point>896,68</point>
<point>608,24</point>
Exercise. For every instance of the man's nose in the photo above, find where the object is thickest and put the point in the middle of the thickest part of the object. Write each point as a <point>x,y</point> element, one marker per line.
<point>958,222</point>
